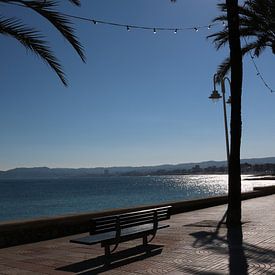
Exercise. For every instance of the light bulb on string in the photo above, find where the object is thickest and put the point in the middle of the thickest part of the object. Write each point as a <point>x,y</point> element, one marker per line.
<point>154,31</point>
<point>175,31</point>
<point>128,28</point>
<point>196,29</point>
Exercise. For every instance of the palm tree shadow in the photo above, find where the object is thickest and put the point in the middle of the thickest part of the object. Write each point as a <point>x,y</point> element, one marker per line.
<point>214,241</point>
<point>203,238</point>
<point>237,259</point>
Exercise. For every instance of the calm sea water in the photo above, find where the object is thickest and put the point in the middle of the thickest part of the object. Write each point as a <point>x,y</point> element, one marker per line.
<point>25,199</point>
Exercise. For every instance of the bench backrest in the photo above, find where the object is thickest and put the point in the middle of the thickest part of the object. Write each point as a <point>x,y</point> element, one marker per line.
<point>118,222</point>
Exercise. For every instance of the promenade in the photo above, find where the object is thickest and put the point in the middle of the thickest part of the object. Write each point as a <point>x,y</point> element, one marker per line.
<point>196,242</point>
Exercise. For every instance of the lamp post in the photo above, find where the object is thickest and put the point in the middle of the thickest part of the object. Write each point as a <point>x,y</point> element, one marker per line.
<point>215,96</point>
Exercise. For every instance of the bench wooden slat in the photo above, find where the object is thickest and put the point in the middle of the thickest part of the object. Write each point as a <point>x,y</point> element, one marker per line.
<point>137,229</point>
<point>148,215</point>
<point>144,211</point>
<point>101,223</point>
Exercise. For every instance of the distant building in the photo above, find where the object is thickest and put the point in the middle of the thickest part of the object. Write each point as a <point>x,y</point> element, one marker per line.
<point>196,169</point>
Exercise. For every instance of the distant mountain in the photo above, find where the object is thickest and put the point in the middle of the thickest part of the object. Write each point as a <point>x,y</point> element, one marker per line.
<point>45,172</point>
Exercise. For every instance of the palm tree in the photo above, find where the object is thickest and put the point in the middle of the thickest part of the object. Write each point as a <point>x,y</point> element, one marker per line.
<point>234,169</point>
<point>257,27</point>
<point>232,33</point>
<point>33,40</point>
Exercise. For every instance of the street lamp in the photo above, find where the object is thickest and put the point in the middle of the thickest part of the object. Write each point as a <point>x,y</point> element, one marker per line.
<point>215,96</point>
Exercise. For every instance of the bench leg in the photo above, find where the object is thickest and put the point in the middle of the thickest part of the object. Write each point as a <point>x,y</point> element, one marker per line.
<point>145,241</point>
<point>107,254</point>
<point>107,251</point>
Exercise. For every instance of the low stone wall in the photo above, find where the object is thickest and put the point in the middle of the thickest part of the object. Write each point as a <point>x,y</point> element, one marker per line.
<point>21,232</point>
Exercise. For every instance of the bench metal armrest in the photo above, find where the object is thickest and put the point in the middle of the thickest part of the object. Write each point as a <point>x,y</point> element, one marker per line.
<point>155,225</point>
<point>118,234</point>
<point>118,228</point>
<point>155,228</point>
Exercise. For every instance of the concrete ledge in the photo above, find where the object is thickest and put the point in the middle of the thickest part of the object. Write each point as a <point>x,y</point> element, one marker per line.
<point>22,232</point>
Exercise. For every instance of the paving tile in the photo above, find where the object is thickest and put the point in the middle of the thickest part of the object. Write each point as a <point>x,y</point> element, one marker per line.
<point>17,271</point>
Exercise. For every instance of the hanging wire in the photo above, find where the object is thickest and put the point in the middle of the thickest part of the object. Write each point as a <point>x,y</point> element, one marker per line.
<point>128,26</point>
<point>259,74</point>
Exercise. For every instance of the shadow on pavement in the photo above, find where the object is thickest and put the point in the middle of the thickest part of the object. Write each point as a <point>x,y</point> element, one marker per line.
<point>237,259</point>
<point>229,242</point>
<point>99,264</point>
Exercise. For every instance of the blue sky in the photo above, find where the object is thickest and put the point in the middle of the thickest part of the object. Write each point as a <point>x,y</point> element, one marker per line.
<point>141,98</point>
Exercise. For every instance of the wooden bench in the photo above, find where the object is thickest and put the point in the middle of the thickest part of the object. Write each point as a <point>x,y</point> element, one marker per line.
<point>112,230</point>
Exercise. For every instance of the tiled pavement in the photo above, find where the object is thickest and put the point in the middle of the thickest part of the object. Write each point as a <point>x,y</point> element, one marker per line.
<point>195,243</point>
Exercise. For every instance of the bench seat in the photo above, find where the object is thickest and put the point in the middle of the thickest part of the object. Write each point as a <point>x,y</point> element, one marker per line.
<point>109,236</point>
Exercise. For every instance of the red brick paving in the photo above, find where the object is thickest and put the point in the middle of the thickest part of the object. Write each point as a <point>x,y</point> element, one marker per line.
<point>191,245</point>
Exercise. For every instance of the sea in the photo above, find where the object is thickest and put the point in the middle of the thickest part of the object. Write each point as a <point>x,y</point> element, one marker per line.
<point>36,198</point>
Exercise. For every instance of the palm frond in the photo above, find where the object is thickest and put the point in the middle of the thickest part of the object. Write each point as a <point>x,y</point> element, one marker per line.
<point>75,2</point>
<point>60,21</point>
<point>222,7</point>
<point>220,18</point>
<point>261,44</point>
<point>225,66</point>
<point>223,69</point>
<point>249,47</point>
<point>33,41</point>
<point>219,38</point>
<point>44,2</point>
<point>257,21</point>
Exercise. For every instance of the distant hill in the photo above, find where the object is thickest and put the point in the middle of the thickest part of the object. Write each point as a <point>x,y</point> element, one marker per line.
<point>45,172</point>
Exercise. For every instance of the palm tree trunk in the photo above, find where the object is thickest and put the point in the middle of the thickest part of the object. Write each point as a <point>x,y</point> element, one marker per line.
<point>234,169</point>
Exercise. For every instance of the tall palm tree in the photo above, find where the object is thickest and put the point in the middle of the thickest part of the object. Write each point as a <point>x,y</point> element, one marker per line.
<point>234,169</point>
<point>33,39</point>
<point>257,27</point>
<point>232,33</point>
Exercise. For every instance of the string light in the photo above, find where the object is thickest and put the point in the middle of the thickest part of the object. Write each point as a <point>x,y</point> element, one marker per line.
<point>128,27</point>
<point>258,71</point>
